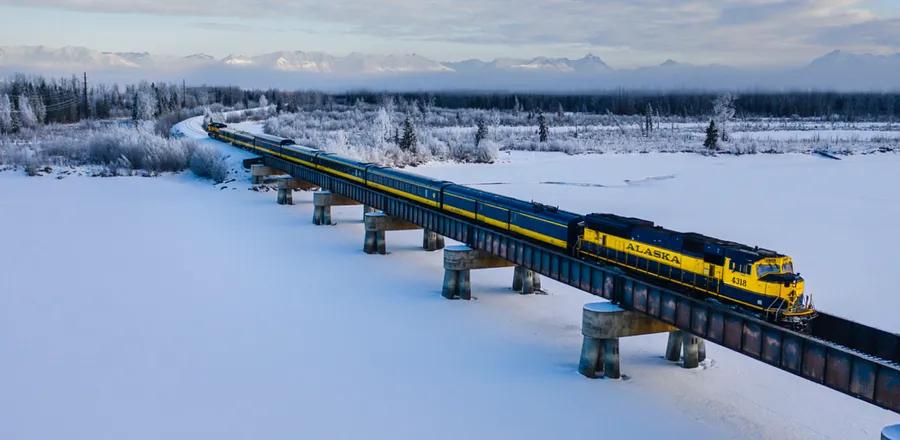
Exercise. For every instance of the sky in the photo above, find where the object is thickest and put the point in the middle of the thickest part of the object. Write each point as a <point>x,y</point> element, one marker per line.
<point>625,33</point>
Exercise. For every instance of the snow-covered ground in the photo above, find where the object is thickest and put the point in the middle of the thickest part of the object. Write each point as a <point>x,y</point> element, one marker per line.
<point>171,308</point>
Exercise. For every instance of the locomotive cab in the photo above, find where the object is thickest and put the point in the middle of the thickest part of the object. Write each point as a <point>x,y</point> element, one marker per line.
<point>213,127</point>
<point>783,290</point>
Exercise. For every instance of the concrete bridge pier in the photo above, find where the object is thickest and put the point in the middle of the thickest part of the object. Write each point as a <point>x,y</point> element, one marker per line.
<point>377,223</point>
<point>687,346</point>
<point>432,241</point>
<point>526,281</point>
<point>458,262</point>
<point>602,324</point>
<point>259,172</point>
<point>286,187</point>
<point>367,209</point>
<point>322,203</point>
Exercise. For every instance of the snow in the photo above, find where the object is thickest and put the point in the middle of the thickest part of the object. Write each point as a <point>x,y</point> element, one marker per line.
<point>171,308</point>
<point>603,307</point>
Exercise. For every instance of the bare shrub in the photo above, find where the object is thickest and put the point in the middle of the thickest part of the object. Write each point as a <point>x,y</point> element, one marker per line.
<point>208,162</point>
<point>119,148</point>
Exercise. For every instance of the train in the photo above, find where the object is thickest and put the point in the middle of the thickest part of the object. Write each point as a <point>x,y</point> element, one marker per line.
<point>757,281</point>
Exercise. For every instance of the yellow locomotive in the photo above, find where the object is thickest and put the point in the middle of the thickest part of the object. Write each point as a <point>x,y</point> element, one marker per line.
<point>760,280</point>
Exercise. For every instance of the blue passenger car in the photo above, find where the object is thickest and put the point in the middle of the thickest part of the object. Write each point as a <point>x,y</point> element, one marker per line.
<point>270,143</point>
<point>534,220</point>
<point>408,185</point>
<point>342,167</point>
<point>302,155</point>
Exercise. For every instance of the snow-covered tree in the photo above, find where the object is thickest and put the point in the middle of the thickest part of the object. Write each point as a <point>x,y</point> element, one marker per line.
<point>27,119</point>
<point>481,130</point>
<point>263,102</point>
<point>712,137</point>
<point>144,105</point>
<point>543,131</point>
<point>40,110</point>
<point>6,122</point>
<point>648,119</point>
<point>408,141</point>
<point>382,128</point>
<point>723,108</point>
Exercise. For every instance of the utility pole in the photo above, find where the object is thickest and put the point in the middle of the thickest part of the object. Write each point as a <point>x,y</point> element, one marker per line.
<point>84,97</point>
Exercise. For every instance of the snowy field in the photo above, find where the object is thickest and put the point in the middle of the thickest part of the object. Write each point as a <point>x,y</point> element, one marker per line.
<point>172,308</point>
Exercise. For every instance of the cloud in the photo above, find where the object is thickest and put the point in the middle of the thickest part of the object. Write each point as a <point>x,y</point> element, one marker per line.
<point>225,27</point>
<point>716,30</point>
<point>754,13</point>
<point>884,33</point>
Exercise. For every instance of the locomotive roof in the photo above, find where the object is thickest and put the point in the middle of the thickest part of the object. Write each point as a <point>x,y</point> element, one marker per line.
<point>303,149</point>
<point>629,224</point>
<point>275,139</point>
<point>547,211</point>
<point>405,175</point>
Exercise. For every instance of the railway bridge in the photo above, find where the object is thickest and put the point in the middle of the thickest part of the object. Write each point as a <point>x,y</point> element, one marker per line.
<point>846,356</point>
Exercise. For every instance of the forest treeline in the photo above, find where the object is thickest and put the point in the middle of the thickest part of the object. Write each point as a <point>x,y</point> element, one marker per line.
<point>831,105</point>
<point>27,101</point>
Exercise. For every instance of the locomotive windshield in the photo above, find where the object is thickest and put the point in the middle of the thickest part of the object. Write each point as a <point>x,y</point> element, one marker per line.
<point>788,268</point>
<point>765,269</point>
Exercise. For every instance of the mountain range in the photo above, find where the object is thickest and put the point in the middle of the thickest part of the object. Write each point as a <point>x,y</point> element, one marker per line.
<point>301,69</point>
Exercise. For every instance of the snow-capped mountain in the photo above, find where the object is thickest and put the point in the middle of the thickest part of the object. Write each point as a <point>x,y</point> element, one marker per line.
<point>588,64</point>
<point>354,63</point>
<point>836,70</point>
<point>64,57</point>
<point>841,59</point>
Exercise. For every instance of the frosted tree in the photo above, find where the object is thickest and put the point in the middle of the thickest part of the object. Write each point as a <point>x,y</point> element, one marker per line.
<point>481,131</point>
<point>382,128</point>
<point>388,103</point>
<point>648,120</point>
<point>408,141</point>
<point>6,122</point>
<point>144,105</point>
<point>27,119</point>
<point>517,107</point>
<point>723,108</point>
<point>543,131</point>
<point>263,102</point>
<point>40,110</point>
<point>712,137</point>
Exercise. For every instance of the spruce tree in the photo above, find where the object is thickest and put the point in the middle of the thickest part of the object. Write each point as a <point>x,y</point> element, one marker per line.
<point>481,131</point>
<point>712,137</point>
<point>408,141</point>
<point>543,131</point>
